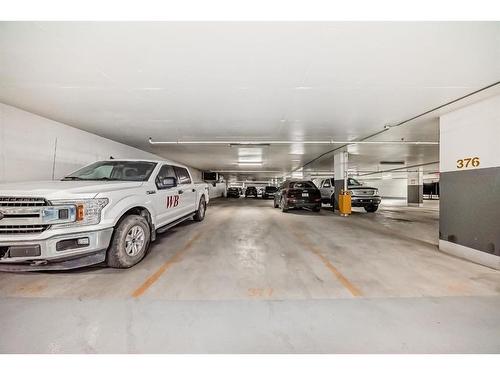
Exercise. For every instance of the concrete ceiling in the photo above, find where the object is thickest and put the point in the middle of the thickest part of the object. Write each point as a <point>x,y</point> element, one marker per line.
<point>248,81</point>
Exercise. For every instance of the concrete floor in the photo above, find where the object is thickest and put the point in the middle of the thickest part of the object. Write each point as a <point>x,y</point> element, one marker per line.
<point>250,279</point>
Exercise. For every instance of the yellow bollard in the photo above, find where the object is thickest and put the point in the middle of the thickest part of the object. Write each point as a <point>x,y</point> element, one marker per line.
<point>344,203</point>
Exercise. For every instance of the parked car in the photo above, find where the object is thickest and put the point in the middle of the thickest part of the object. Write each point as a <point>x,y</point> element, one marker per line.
<point>251,191</point>
<point>108,211</point>
<point>297,194</point>
<point>269,192</point>
<point>361,196</point>
<point>233,192</point>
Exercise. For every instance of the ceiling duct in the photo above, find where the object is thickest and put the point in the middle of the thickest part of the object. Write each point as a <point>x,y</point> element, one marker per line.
<point>387,162</point>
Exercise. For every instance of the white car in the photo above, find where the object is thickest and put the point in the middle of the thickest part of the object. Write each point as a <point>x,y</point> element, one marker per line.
<point>108,211</point>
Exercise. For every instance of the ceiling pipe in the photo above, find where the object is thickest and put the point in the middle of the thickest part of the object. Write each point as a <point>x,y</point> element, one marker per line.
<point>246,171</point>
<point>442,105</point>
<point>389,126</point>
<point>401,168</point>
<point>277,142</point>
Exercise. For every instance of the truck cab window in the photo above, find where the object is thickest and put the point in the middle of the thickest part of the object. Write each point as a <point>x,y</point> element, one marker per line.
<point>165,171</point>
<point>182,175</point>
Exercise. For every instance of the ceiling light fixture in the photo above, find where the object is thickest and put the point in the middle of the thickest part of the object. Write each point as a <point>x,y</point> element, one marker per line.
<point>246,163</point>
<point>248,144</point>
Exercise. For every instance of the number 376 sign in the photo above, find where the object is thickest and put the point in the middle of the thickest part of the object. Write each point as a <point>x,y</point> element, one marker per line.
<point>468,162</point>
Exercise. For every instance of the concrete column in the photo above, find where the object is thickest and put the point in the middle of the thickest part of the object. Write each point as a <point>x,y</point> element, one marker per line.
<point>306,175</point>
<point>415,196</point>
<point>340,163</point>
<point>469,222</point>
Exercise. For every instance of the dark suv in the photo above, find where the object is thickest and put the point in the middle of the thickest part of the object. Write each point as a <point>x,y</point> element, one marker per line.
<point>251,191</point>
<point>233,192</point>
<point>269,192</point>
<point>298,194</point>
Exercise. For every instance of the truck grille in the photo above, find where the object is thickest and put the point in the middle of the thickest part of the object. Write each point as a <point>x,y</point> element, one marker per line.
<point>22,229</point>
<point>362,192</point>
<point>22,202</point>
<point>21,215</point>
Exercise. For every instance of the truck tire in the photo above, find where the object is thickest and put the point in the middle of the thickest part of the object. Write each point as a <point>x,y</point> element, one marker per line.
<point>202,208</point>
<point>371,208</point>
<point>333,203</point>
<point>316,209</point>
<point>130,242</point>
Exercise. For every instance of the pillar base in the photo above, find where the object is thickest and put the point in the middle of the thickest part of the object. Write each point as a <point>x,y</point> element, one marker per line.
<point>415,204</point>
<point>468,253</point>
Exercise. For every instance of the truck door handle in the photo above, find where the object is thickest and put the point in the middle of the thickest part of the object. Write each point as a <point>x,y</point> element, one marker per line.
<point>194,190</point>
<point>180,191</point>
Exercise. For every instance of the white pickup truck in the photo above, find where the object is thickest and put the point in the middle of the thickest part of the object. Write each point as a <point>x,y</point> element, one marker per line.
<point>108,211</point>
<point>361,195</point>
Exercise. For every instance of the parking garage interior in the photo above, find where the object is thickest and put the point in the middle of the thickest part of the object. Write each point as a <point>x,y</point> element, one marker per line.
<point>409,109</point>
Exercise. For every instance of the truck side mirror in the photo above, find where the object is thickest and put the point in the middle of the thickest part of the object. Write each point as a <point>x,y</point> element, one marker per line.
<point>168,182</point>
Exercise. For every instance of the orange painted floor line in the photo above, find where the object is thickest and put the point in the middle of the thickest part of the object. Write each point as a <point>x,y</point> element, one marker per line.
<point>356,292</point>
<point>164,267</point>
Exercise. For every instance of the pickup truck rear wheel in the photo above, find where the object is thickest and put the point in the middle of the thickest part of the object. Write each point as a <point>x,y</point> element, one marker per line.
<point>202,208</point>
<point>130,242</point>
<point>283,205</point>
<point>333,203</point>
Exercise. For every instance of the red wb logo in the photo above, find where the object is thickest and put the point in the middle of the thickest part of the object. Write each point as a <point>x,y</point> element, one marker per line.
<point>172,201</point>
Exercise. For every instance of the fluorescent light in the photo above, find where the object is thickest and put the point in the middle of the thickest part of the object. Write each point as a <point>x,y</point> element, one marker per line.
<point>247,144</point>
<point>244,163</point>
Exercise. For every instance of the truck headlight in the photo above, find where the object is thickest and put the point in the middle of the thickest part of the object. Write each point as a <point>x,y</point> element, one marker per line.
<point>375,192</point>
<point>80,212</point>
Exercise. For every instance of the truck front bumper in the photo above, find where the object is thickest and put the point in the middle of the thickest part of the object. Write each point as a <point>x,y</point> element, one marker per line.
<point>59,252</point>
<point>363,201</point>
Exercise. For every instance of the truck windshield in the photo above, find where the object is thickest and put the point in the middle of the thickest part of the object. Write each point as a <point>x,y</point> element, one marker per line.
<point>114,170</point>
<point>353,182</point>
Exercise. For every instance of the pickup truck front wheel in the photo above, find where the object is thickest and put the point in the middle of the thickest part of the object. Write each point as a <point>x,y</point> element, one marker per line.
<point>130,242</point>
<point>202,208</point>
<point>371,208</point>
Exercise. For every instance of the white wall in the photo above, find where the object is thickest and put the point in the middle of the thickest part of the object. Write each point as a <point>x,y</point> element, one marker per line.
<point>472,131</point>
<point>389,188</point>
<point>28,149</point>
